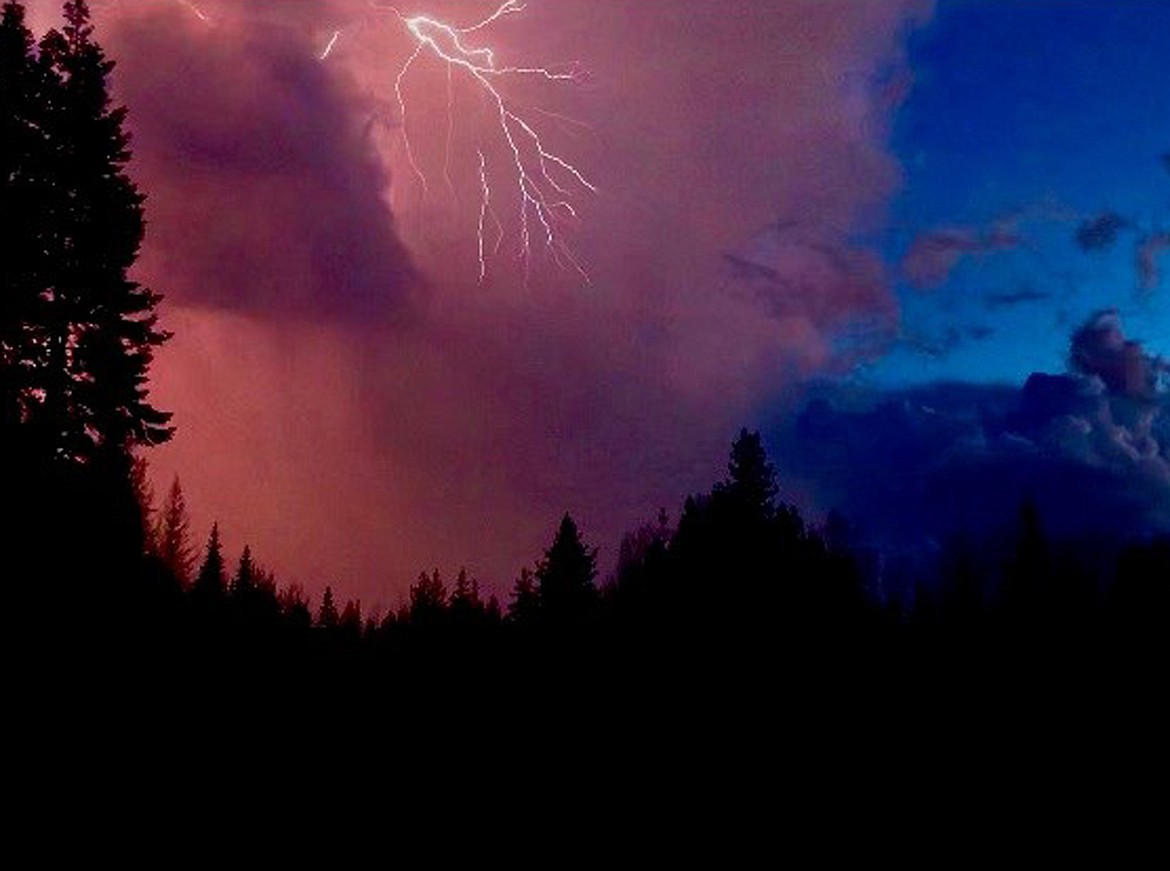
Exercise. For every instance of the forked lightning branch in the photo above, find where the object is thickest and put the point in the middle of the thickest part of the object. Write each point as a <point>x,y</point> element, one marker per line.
<point>543,182</point>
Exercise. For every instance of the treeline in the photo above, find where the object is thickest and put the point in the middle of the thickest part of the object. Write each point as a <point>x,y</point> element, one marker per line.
<point>736,535</point>
<point>740,573</point>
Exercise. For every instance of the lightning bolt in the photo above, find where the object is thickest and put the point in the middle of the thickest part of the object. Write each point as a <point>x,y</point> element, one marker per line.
<point>329,48</point>
<point>543,180</point>
<point>189,5</point>
<point>195,10</point>
<point>485,203</point>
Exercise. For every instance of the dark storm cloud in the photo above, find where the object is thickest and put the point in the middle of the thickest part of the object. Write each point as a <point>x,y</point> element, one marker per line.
<point>265,195</point>
<point>1099,349</point>
<point>1091,448</point>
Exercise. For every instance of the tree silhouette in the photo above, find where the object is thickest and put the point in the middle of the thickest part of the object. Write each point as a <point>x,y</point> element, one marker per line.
<point>492,611</point>
<point>466,606</point>
<point>751,482</point>
<point>428,600</point>
<point>211,582</point>
<point>729,531</point>
<point>565,577</point>
<point>97,327</point>
<point>172,535</point>
<point>524,609</point>
<point>349,624</point>
<point>293,607</point>
<point>245,584</point>
<point>327,617</point>
<point>639,594</point>
<point>144,496</point>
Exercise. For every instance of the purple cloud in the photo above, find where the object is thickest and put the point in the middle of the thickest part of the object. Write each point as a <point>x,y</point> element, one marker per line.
<point>935,254</point>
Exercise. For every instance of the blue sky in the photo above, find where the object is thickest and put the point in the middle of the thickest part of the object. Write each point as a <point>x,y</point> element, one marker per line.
<point>1037,116</point>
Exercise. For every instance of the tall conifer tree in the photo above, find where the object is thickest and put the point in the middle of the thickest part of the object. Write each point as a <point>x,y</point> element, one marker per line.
<point>566,577</point>
<point>173,535</point>
<point>100,326</point>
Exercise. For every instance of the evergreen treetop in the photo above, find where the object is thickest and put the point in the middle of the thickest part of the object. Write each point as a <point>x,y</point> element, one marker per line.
<point>211,580</point>
<point>173,535</point>
<point>566,576</point>
<point>751,481</point>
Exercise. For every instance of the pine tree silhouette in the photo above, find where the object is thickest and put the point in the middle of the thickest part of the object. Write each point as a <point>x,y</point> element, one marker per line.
<point>492,611</point>
<point>211,582</point>
<point>565,578</point>
<point>327,617</point>
<point>524,609</point>
<point>144,496</point>
<point>428,600</point>
<point>173,537</point>
<point>466,607</point>
<point>99,327</point>
<point>349,624</point>
<point>751,482</point>
<point>244,583</point>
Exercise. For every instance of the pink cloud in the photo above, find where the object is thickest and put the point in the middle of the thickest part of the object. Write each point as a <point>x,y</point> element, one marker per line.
<point>934,255</point>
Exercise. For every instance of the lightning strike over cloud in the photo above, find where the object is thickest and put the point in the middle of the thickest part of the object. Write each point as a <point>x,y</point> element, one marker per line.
<point>543,180</point>
<point>195,10</point>
<point>329,48</point>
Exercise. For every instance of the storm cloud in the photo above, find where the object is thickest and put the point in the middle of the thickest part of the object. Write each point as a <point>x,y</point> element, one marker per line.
<point>352,402</point>
<point>1091,448</point>
<point>266,196</point>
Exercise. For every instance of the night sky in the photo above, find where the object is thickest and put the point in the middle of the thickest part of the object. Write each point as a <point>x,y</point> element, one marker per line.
<point>862,226</point>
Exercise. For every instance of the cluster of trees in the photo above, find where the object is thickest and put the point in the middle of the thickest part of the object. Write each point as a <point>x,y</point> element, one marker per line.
<point>740,573</point>
<point>199,595</point>
<point>667,580</point>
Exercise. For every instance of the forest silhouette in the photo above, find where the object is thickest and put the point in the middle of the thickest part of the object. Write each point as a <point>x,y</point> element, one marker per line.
<point>740,591</point>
